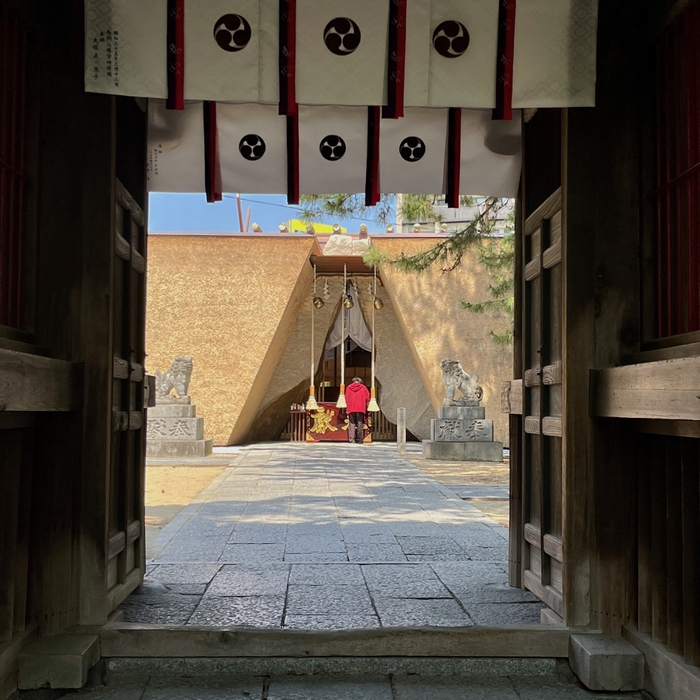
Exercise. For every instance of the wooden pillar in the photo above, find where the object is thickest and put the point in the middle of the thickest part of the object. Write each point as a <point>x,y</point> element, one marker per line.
<point>97,354</point>
<point>73,316</point>
<point>515,421</point>
<point>75,271</point>
<point>578,356</point>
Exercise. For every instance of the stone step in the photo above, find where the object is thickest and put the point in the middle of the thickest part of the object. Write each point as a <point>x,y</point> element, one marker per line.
<point>178,448</point>
<point>62,661</point>
<point>606,663</point>
<point>463,451</point>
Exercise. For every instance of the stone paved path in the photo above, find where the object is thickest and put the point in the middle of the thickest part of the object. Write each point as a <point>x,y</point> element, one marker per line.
<point>329,537</point>
<point>368,687</point>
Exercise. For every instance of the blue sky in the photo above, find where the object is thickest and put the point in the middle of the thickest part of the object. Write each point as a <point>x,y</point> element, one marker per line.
<point>190,213</point>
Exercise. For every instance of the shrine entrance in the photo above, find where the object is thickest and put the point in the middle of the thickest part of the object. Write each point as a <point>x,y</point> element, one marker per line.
<point>603,402</point>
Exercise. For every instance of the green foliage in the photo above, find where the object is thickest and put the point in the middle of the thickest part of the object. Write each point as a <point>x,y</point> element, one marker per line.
<point>375,257</point>
<point>448,253</point>
<point>325,206</point>
<point>419,207</point>
<point>495,255</point>
<point>505,338</point>
<point>414,207</point>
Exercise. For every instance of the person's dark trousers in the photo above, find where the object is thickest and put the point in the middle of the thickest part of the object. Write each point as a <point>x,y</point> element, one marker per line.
<point>356,429</point>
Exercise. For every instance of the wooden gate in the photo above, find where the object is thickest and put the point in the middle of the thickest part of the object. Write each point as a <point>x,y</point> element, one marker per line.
<point>126,556</point>
<point>126,553</point>
<point>541,455</point>
<point>534,398</point>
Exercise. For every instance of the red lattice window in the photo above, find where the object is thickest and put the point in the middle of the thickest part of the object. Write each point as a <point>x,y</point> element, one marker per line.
<point>13,184</point>
<point>678,186</point>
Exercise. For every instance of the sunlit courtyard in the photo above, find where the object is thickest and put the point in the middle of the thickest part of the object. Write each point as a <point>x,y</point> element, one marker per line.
<point>329,537</point>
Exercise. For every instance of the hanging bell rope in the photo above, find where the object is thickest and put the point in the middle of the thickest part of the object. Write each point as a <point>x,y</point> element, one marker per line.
<point>342,403</point>
<point>311,404</point>
<point>373,406</point>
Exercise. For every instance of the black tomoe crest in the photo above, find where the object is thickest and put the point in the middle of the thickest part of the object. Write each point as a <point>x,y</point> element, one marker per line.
<point>332,147</point>
<point>341,36</point>
<point>252,147</point>
<point>412,149</point>
<point>232,32</point>
<point>451,39</point>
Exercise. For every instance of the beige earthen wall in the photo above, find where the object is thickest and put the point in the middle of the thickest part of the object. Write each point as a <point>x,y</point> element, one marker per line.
<point>428,305</point>
<point>231,303</point>
<point>241,308</point>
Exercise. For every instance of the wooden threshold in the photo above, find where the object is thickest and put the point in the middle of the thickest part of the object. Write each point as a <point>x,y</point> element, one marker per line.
<point>520,641</point>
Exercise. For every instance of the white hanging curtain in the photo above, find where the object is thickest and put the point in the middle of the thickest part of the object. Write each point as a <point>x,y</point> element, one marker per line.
<point>230,51</point>
<point>275,96</point>
<point>355,326</point>
<point>332,151</point>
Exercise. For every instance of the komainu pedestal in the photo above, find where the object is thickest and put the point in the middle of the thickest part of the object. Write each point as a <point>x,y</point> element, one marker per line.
<point>173,429</point>
<point>462,432</point>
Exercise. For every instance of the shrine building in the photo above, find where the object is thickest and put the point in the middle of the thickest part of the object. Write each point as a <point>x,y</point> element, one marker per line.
<point>249,333</point>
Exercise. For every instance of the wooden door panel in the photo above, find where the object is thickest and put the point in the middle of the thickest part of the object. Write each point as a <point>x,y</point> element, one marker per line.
<point>126,560</point>
<point>542,381</point>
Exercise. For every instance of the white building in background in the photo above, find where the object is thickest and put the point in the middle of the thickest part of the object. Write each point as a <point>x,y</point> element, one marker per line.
<point>454,219</point>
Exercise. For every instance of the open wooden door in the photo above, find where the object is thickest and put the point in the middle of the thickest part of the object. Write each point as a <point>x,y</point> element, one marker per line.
<point>127,545</point>
<point>541,453</point>
<point>126,558</point>
<point>534,398</point>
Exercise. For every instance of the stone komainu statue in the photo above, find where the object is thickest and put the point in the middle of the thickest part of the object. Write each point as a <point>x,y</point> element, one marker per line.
<point>177,379</point>
<point>456,379</point>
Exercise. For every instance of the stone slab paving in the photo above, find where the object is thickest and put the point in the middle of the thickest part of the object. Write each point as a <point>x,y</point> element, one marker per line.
<point>329,537</point>
<point>367,687</point>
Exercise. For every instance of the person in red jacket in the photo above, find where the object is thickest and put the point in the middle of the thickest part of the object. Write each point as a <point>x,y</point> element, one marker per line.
<point>357,398</point>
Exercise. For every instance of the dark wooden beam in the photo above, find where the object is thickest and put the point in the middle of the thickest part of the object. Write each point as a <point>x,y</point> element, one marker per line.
<point>35,383</point>
<point>334,264</point>
<point>663,390</point>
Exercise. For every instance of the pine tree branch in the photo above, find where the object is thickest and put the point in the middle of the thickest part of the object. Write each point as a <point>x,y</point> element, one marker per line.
<point>344,206</point>
<point>450,250</point>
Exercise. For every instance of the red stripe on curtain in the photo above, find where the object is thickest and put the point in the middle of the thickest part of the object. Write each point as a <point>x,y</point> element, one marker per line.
<point>397,59</point>
<point>454,151</point>
<point>504,68</point>
<point>293,159</point>
<point>372,193</point>
<point>212,164</point>
<point>176,55</point>
<point>287,57</point>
